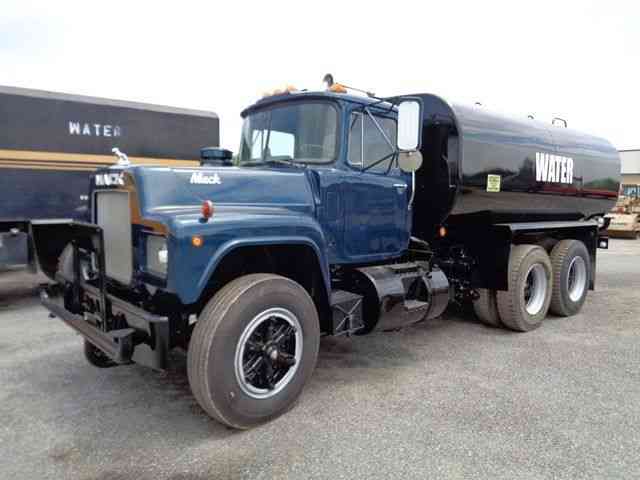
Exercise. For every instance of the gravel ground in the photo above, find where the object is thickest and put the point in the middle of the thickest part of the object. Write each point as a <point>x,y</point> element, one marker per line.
<point>444,399</point>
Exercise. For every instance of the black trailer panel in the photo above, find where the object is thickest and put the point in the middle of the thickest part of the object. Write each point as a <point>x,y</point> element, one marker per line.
<point>51,142</point>
<point>54,122</point>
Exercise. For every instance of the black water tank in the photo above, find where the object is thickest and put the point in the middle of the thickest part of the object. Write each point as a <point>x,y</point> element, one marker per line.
<point>479,161</point>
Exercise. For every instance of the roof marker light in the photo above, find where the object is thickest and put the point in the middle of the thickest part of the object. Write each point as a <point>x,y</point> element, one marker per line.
<point>279,91</point>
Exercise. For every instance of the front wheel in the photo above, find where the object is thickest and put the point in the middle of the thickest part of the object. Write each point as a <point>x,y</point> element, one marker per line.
<point>253,349</point>
<point>97,357</point>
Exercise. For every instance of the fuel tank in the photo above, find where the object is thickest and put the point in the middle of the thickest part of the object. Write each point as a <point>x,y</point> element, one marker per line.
<point>398,295</point>
<point>478,161</point>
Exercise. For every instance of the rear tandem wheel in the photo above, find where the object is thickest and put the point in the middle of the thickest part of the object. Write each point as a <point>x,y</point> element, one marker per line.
<point>571,277</point>
<point>524,306</point>
<point>486,307</point>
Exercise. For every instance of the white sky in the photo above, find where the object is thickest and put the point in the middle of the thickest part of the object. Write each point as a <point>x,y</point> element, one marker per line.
<point>578,60</point>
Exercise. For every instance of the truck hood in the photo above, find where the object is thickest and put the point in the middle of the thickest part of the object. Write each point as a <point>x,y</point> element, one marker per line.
<point>252,206</point>
<point>164,193</point>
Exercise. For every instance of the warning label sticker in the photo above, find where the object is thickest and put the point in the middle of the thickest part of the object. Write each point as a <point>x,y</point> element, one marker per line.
<point>493,183</point>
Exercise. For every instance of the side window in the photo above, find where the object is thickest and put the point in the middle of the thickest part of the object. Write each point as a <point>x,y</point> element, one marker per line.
<point>367,145</point>
<point>355,139</point>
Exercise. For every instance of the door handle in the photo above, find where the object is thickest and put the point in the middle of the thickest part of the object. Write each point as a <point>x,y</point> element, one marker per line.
<point>400,186</point>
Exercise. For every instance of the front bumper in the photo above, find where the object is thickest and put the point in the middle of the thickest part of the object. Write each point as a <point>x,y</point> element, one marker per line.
<point>123,331</point>
<point>117,344</point>
<point>144,341</point>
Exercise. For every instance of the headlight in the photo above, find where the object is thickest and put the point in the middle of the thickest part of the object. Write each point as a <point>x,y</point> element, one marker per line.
<point>157,255</point>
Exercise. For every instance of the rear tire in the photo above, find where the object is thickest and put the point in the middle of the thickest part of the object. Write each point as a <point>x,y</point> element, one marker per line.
<point>97,357</point>
<point>239,372</point>
<point>571,277</point>
<point>486,308</point>
<point>524,306</point>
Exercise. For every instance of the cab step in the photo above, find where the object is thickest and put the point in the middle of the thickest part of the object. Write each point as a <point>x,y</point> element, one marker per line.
<point>346,310</point>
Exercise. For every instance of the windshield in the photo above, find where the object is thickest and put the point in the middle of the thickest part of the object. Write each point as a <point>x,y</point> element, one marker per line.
<point>299,132</point>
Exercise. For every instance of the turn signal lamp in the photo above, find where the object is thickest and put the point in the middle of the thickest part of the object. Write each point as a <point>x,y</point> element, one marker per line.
<point>197,241</point>
<point>442,232</point>
<point>207,209</point>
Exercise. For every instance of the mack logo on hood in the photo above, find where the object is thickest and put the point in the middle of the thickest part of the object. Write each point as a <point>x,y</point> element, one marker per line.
<point>554,168</point>
<point>200,179</point>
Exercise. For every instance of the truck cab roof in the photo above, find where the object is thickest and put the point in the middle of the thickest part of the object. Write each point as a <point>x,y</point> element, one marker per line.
<point>314,95</point>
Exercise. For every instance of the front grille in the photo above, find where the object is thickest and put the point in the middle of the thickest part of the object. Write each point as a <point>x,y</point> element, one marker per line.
<point>114,216</point>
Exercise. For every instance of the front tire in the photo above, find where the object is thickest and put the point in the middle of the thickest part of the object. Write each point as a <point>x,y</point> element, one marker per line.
<point>571,277</point>
<point>524,306</point>
<point>97,357</point>
<point>253,349</point>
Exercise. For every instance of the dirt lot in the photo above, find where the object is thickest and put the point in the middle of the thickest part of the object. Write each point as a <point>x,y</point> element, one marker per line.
<point>445,399</point>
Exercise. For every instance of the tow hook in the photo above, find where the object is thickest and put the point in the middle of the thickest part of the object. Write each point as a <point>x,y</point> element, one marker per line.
<point>45,296</point>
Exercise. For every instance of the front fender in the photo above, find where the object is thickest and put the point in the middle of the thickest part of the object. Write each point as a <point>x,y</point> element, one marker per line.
<point>191,267</point>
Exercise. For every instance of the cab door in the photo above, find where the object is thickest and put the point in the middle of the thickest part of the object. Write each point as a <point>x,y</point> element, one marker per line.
<point>375,192</point>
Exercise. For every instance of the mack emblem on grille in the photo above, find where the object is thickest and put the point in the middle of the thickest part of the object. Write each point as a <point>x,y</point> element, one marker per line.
<point>109,179</point>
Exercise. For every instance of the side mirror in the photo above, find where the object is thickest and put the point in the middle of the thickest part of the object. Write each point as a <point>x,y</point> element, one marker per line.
<point>409,125</point>
<point>410,162</point>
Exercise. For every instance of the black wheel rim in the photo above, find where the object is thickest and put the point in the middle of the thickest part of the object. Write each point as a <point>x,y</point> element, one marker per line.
<point>268,353</point>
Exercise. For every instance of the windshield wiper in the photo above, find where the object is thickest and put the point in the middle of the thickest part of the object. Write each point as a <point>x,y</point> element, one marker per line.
<point>273,161</point>
<point>281,161</point>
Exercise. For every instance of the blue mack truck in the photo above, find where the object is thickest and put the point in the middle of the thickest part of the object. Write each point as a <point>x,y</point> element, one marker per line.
<point>343,214</point>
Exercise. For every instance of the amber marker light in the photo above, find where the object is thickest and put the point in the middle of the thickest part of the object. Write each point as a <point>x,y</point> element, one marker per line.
<point>197,241</point>
<point>337,88</point>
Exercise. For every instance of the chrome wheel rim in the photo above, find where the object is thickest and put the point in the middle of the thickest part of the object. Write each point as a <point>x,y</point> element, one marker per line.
<point>535,288</point>
<point>268,353</point>
<point>577,278</point>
